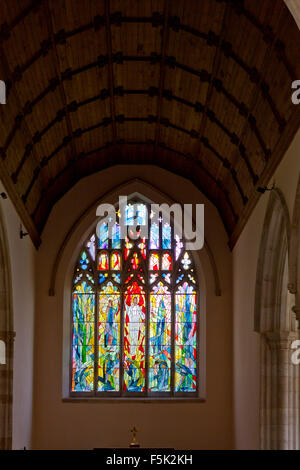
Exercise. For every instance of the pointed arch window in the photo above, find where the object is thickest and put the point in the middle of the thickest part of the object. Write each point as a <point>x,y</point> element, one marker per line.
<point>135,313</point>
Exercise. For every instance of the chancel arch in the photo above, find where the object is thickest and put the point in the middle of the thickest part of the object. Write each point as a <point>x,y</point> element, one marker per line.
<point>69,258</point>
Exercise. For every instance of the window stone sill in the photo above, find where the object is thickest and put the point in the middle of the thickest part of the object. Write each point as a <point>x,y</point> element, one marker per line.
<point>133,400</point>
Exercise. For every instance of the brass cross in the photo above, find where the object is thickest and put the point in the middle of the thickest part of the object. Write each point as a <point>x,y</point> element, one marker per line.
<point>134,430</point>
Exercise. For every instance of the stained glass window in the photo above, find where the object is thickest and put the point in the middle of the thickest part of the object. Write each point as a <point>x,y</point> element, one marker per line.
<point>135,311</point>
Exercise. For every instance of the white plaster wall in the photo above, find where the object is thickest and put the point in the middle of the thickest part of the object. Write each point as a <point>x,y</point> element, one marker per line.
<point>22,258</point>
<point>246,343</point>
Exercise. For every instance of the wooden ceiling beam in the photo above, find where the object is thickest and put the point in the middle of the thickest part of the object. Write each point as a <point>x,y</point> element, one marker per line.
<point>211,39</point>
<point>6,28</point>
<point>203,75</point>
<point>150,120</point>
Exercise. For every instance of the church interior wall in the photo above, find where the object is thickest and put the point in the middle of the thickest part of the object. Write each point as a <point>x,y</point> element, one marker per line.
<point>106,424</point>
<point>22,255</point>
<point>246,344</point>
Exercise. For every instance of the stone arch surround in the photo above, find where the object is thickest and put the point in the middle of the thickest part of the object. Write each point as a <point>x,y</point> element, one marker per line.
<point>278,328</point>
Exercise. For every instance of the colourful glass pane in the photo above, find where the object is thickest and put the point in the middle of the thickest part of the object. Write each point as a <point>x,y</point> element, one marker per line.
<point>103,262</point>
<point>129,214</point>
<point>134,233</point>
<point>134,338</point>
<point>129,278</point>
<point>83,349</point>
<point>153,277</point>
<point>91,246</point>
<point>134,379</point>
<point>84,261</point>
<point>154,262</point>
<point>166,263</point>
<point>154,236</point>
<point>136,214</point>
<point>185,333</point>
<point>166,236</point>
<point>103,238</point>
<point>78,278</point>
<point>135,261</point>
<point>83,288</point>
<point>109,369</point>
<point>185,379</point>
<point>160,339</point>
<point>185,338</point>
<point>180,277</point>
<point>159,378</point>
<point>102,277</point>
<point>160,355</point>
<point>178,247</point>
<point>116,278</point>
<point>160,303</point>
<point>141,278</point>
<point>116,241</point>
<point>142,247</point>
<point>90,278</point>
<point>128,246</point>
<point>141,212</point>
<point>109,338</point>
<point>115,262</point>
<point>186,262</point>
<point>186,289</point>
<point>167,277</point>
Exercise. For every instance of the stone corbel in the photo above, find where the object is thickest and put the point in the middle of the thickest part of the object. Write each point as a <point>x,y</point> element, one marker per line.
<point>280,339</point>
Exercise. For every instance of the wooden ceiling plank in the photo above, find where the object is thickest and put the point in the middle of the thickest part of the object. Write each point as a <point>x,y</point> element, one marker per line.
<point>215,70</point>
<point>164,46</point>
<point>58,74</point>
<point>110,69</point>
<point>280,150</point>
<point>256,95</point>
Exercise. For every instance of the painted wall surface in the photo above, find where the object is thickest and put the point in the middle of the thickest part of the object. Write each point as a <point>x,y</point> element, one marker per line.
<point>246,344</point>
<point>72,425</point>
<point>22,259</point>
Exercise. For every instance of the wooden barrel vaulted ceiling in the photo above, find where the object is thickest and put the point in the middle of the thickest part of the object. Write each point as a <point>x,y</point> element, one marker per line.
<point>199,87</point>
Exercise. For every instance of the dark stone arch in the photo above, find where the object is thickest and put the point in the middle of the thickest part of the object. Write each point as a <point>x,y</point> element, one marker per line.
<point>273,251</point>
